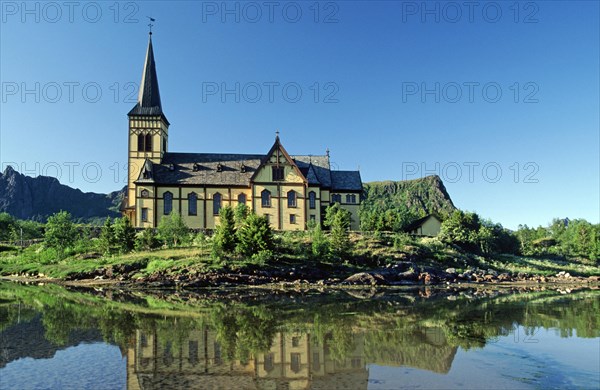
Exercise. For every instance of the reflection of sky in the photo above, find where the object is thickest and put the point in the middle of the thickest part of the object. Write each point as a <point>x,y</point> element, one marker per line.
<point>513,361</point>
<point>87,366</point>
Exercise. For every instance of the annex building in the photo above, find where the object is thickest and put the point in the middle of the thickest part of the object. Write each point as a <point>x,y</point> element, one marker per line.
<point>290,190</point>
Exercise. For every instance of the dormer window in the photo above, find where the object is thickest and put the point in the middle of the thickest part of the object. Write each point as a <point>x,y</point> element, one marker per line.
<point>171,167</point>
<point>243,168</point>
<point>196,167</point>
<point>219,167</point>
<point>147,174</point>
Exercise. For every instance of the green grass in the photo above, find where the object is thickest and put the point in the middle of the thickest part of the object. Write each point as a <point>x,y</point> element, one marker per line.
<point>293,249</point>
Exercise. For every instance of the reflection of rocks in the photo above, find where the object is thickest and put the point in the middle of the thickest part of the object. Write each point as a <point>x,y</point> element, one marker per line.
<point>28,339</point>
<point>295,360</point>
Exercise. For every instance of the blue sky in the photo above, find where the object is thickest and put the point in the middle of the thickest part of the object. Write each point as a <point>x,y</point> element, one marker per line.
<point>501,99</point>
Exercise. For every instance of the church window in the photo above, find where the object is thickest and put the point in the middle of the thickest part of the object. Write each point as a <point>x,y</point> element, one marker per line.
<point>164,144</point>
<point>168,203</point>
<point>192,204</point>
<point>269,362</point>
<point>242,199</point>
<point>216,203</point>
<point>265,196</point>
<point>277,173</point>
<point>144,194</point>
<point>312,200</point>
<point>291,197</point>
<point>350,198</point>
<point>292,218</point>
<point>148,143</point>
<point>313,218</point>
<point>336,198</point>
<point>144,214</point>
<point>295,362</point>
<point>140,142</point>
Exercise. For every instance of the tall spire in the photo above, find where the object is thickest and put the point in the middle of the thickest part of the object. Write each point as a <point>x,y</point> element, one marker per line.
<point>149,95</point>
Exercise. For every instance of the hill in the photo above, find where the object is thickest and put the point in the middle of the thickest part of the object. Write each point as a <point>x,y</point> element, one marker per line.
<point>391,205</point>
<point>37,198</point>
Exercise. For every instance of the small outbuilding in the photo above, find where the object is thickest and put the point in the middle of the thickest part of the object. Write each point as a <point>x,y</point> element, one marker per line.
<point>428,226</point>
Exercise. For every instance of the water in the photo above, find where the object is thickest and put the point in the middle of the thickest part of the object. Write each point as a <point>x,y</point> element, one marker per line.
<point>257,339</point>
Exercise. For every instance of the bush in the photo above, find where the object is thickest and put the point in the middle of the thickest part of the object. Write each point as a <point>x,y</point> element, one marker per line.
<point>172,229</point>
<point>254,236</point>
<point>146,240</point>
<point>262,258</point>
<point>124,235</point>
<point>319,244</point>
<point>338,219</point>
<point>60,232</point>
<point>224,240</point>
<point>403,239</point>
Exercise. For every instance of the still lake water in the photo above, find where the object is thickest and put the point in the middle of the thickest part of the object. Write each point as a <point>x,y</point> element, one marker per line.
<point>53,338</point>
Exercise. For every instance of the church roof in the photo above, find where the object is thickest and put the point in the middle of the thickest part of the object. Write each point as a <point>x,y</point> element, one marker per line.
<point>149,95</point>
<point>346,180</point>
<point>225,169</point>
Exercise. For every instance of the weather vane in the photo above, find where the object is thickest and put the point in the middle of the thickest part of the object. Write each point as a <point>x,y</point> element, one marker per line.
<point>150,24</point>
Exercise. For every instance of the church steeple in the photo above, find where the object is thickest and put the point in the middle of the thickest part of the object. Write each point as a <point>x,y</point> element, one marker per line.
<point>149,95</point>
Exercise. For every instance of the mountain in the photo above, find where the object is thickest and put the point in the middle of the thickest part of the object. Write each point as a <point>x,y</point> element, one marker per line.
<point>394,204</point>
<point>37,198</point>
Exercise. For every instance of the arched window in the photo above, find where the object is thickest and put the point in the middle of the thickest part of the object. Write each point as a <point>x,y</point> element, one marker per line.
<point>140,142</point>
<point>265,196</point>
<point>336,198</point>
<point>216,203</point>
<point>148,142</point>
<point>291,196</point>
<point>168,203</point>
<point>192,203</point>
<point>242,199</point>
<point>350,198</point>
<point>312,200</point>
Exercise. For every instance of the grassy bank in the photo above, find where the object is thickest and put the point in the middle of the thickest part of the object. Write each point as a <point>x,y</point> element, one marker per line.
<point>369,251</point>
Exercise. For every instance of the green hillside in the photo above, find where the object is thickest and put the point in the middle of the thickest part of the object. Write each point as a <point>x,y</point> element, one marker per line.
<point>391,205</point>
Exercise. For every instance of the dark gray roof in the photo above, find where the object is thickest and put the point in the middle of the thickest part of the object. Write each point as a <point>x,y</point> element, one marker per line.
<point>206,169</point>
<point>346,181</point>
<point>149,95</point>
<point>226,169</point>
<point>320,166</point>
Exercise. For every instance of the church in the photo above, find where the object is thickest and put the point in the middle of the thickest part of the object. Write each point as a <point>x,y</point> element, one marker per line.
<point>290,190</point>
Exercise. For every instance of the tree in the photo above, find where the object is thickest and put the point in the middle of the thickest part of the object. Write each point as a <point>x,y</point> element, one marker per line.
<point>338,219</point>
<point>241,213</point>
<point>319,244</point>
<point>224,240</point>
<point>124,235</point>
<point>172,229</point>
<point>60,231</point>
<point>254,236</point>
<point>146,240</point>
<point>107,237</point>
<point>7,223</point>
<point>461,229</point>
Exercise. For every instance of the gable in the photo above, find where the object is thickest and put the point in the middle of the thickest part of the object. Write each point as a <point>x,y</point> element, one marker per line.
<point>278,166</point>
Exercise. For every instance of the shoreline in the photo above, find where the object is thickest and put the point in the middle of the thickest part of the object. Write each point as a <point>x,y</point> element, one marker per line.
<point>171,284</point>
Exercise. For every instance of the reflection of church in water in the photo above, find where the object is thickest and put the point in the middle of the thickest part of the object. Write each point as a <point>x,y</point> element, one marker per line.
<point>294,361</point>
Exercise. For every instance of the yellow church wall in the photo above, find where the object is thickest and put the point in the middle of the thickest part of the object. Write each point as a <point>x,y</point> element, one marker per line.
<point>265,174</point>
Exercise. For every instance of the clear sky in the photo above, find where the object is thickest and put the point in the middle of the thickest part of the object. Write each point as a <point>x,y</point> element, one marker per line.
<point>501,99</point>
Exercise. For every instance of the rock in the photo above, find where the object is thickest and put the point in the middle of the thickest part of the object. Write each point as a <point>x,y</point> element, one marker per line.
<point>491,272</point>
<point>365,278</point>
<point>451,271</point>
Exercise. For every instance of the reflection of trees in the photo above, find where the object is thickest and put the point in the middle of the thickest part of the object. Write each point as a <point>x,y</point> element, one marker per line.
<point>389,324</point>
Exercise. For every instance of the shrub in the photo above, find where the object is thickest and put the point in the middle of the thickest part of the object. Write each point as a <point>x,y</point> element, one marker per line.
<point>262,257</point>
<point>254,235</point>
<point>319,244</point>
<point>60,232</point>
<point>172,229</point>
<point>146,240</point>
<point>224,240</point>
<point>124,235</point>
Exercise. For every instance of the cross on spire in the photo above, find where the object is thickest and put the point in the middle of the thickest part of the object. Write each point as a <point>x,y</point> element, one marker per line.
<point>150,25</point>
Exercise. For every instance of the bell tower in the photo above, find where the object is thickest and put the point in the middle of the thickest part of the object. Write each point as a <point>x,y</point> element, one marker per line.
<point>148,129</point>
